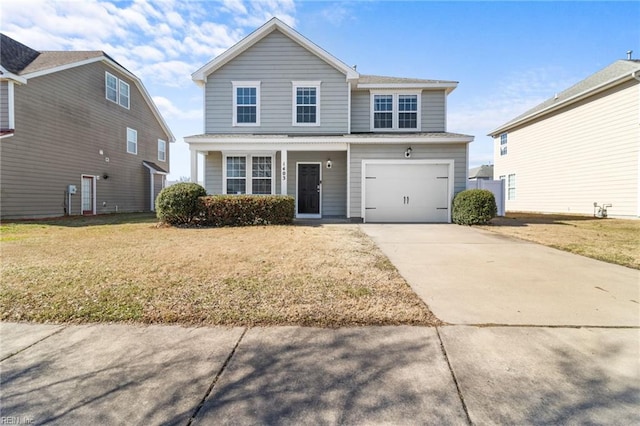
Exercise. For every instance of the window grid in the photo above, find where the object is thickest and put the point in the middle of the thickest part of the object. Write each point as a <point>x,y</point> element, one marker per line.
<point>503,144</point>
<point>383,111</point>
<point>407,111</point>
<point>162,150</point>
<point>117,90</point>
<point>132,141</point>
<point>124,95</point>
<point>246,104</point>
<point>511,187</point>
<point>236,175</point>
<point>111,83</point>
<point>261,175</point>
<point>306,105</point>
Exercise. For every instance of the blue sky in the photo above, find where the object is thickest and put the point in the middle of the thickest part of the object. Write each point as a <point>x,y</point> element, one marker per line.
<point>507,56</point>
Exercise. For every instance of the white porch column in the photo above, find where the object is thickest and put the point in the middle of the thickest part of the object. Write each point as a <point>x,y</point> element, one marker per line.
<point>283,172</point>
<point>194,166</point>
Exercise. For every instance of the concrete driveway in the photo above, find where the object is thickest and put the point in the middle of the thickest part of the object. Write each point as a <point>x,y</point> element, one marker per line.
<point>472,276</point>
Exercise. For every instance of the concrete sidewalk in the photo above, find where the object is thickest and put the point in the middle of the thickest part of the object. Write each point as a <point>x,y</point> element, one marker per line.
<point>125,374</point>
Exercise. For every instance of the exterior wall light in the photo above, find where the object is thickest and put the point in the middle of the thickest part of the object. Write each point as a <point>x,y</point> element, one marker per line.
<point>329,164</point>
<point>407,153</point>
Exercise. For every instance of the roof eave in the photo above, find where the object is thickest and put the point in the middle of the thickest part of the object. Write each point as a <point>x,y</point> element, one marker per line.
<point>7,75</point>
<point>571,100</point>
<point>448,86</point>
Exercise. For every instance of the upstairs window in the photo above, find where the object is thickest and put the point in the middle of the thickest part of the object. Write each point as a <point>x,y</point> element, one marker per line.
<point>162,150</point>
<point>132,141</point>
<point>395,111</point>
<point>306,103</point>
<point>246,103</point>
<point>503,144</point>
<point>116,90</point>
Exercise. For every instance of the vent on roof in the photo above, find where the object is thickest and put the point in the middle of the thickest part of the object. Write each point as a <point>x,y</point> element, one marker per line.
<point>629,53</point>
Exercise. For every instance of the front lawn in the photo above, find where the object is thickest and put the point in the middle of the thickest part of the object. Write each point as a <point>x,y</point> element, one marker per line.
<point>611,240</point>
<point>126,268</point>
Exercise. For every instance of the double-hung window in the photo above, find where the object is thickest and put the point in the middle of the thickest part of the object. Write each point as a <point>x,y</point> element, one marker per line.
<point>306,103</point>
<point>251,174</point>
<point>246,103</point>
<point>511,187</point>
<point>162,150</point>
<point>132,141</point>
<point>395,111</point>
<point>503,144</point>
<point>117,90</point>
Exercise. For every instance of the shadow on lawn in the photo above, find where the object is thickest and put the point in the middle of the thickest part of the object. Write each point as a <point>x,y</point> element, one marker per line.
<point>86,221</point>
<point>521,220</point>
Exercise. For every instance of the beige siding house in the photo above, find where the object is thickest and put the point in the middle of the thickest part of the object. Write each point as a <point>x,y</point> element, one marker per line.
<point>578,151</point>
<point>283,116</point>
<point>80,135</point>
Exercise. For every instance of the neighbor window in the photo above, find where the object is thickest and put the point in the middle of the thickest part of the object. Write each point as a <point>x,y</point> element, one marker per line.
<point>116,90</point>
<point>511,187</point>
<point>503,144</point>
<point>306,103</point>
<point>246,103</point>
<point>132,141</point>
<point>162,150</point>
<point>395,111</point>
<point>248,174</point>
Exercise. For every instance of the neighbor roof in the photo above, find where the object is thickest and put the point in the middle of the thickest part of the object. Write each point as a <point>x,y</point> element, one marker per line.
<point>380,82</point>
<point>616,73</point>
<point>484,171</point>
<point>23,63</point>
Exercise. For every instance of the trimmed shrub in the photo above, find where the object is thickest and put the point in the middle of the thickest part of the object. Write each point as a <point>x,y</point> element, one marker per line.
<point>178,204</point>
<point>474,207</point>
<point>245,210</point>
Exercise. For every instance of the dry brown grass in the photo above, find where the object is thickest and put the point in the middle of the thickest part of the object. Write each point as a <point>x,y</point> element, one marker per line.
<point>611,240</point>
<point>126,268</point>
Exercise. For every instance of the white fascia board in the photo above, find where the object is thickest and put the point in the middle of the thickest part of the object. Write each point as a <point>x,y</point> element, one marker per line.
<point>200,76</point>
<point>6,75</point>
<point>312,143</point>
<point>407,86</point>
<point>66,67</point>
<point>575,98</point>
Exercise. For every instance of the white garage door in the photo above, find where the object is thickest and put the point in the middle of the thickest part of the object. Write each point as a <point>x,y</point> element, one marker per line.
<point>406,192</point>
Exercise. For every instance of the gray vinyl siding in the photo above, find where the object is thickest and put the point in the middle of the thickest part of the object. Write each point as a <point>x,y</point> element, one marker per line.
<point>276,61</point>
<point>63,121</point>
<point>433,111</point>
<point>360,111</point>
<point>455,152</point>
<point>4,105</point>
<point>334,188</point>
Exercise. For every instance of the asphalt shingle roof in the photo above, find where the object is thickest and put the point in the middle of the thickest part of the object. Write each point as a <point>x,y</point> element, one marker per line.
<point>15,56</point>
<point>614,71</point>
<point>380,79</point>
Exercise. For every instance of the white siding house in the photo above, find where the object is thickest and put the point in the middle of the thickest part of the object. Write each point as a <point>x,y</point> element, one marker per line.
<point>283,116</point>
<point>580,148</point>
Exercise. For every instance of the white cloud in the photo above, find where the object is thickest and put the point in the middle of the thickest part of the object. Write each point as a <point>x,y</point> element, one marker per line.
<point>169,73</point>
<point>170,111</point>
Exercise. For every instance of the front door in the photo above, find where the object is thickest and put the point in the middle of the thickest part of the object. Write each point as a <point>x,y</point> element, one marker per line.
<point>308,190</point>
<point>87,195</point>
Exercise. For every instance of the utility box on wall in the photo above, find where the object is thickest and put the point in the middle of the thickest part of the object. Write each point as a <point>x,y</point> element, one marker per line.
<point>72,189</point>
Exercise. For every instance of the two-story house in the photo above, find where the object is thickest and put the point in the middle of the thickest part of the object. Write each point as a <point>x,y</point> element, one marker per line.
<point>283,116</point>
<point>579,151</point>
<point>79,135</point>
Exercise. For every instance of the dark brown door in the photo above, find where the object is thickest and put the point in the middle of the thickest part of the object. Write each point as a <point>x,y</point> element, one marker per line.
<point>309,189</point>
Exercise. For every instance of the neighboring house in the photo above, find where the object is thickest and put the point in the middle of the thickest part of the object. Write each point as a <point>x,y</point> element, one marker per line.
<point>481,172</point>
<point>577,151</point>
<point>283,116</point>
<point>79,135</point>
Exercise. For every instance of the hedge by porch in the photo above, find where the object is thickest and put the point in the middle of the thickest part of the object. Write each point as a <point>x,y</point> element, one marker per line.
<point>246,210</point>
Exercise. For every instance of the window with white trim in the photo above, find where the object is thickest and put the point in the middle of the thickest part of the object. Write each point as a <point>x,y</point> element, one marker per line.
<point>116,90</point>
<point>511,187</point>
<point>250,174</point>
<point>132,141</point>
<point>306,103</point>
<point>395,111</point>
<point>503,144</point>
<point>162,150</point>
<point>246,103</point>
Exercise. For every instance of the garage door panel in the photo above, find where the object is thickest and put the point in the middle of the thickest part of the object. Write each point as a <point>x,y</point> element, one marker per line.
<point>406,193</point>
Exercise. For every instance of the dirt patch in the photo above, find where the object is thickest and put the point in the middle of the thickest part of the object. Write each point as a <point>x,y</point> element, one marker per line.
<point>611,240</point>
<point>120,269</point>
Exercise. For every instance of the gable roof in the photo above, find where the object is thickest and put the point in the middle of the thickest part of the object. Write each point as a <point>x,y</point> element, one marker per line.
<point>614,74</point>
<point>484,171</point>
<point>22,63</point>
<point>200,76</point>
